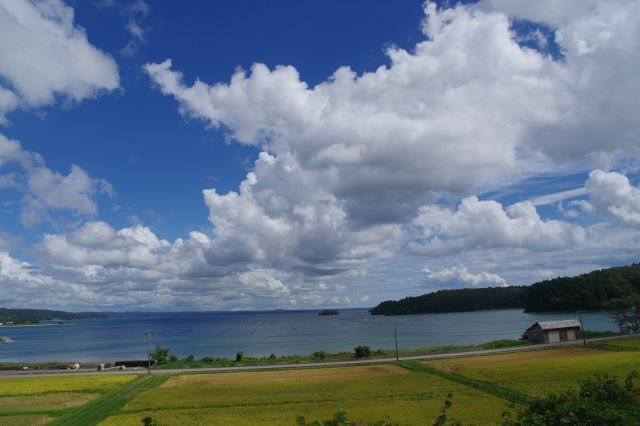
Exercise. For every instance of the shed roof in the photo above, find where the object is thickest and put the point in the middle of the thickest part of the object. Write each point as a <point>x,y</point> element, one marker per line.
<point>553,325</point>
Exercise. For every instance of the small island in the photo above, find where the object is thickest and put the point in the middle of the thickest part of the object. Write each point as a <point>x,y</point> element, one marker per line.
<point>328,312</point>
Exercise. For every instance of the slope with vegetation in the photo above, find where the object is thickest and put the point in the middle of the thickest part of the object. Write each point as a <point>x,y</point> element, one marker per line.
<point>612,288</point>
<point>465,299</point>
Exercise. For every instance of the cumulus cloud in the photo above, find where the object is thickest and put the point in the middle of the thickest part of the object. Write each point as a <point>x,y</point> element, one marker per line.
<point>291,227</point>
<point>612,194</point>
<point>444,118</point>
<point>133,267</point>
<point>352,166</point>
<point>45,190</point>
<point>45,56</point>
<point>459,276</point>
<point>354,170</point>
<point>461,113</point>
<point>601,49</point>
<point>480,224</point>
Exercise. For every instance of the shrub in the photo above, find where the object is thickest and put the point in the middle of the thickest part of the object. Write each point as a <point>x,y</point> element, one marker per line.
<point>239,356</point>
<point>600,401</point>
<point>189,358</point>
<point>362,351</point>
<point>173,358</point>
<point>319,355</point>
<point>272,356</point>
<point>207,359</point>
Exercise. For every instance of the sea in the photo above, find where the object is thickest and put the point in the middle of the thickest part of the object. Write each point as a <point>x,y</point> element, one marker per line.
<point>221,334</point>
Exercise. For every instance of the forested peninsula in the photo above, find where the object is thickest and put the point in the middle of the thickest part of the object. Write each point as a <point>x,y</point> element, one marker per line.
<point>35,316</point>
<point>601,289</point>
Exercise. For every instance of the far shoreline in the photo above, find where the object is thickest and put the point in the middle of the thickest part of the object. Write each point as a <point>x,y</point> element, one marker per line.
<point>32,325</point>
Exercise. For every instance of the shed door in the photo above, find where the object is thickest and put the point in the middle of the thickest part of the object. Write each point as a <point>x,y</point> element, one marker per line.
<point>554,336</point>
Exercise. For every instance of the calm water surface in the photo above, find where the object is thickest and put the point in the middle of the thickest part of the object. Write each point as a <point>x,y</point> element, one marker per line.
<point>264,333</point>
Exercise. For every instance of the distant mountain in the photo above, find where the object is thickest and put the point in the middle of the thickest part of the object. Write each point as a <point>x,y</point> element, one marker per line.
<point>34,316</point>
<point>590,291</point>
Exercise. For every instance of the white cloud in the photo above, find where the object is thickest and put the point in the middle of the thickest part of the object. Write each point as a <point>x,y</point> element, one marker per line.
<point>350,163</point>
<point>468,110</point>
<point>297,227</point>
<point>459,276</point>
<point>351,167</point>
<point>601,48</point>
<point>444,118</point>
<point>612,194</point>
<point>480,224</point>
<point>45,190</point>
<point>45,56</point>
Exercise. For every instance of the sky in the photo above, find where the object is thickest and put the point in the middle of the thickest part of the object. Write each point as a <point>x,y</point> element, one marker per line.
<point>299,155</point>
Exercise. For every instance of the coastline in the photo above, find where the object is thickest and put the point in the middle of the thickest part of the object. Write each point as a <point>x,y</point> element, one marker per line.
<point>31,325</point>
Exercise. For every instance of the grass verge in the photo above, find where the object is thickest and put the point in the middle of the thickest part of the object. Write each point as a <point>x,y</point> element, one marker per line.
<point>109,404</point>
<point>510,395</point>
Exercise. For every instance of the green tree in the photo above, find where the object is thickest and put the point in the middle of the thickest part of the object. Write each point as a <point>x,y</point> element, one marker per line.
<point>160,355</point>
<point>626,313</point>
<point>362,351</point>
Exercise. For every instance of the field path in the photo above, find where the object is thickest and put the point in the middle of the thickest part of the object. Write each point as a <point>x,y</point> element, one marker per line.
<point>109,404</point>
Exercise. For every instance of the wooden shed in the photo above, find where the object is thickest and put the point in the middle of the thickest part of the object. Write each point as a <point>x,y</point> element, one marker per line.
<point>554,331</point>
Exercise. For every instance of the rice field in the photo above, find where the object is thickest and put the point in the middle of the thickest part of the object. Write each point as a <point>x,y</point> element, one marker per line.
<point>367,393</point>
<point>537,373</point>
<point>36,401</point>
<point>28,420</point>
<point>42,385</point>
<point>482,387</point>
<point>46,402</point>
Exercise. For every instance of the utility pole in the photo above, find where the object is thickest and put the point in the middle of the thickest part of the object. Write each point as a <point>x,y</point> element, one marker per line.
<point>148,333</point>
<point>584,339</point>
<point>395,335</point>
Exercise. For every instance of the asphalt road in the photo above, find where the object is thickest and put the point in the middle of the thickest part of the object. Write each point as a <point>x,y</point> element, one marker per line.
<point>92,372</point>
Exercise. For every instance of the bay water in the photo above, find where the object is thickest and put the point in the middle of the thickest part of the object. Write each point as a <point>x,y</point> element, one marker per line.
<point>222,334</point>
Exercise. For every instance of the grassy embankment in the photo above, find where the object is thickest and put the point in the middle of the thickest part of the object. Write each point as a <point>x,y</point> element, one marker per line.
<point>482,387</point>
<point>321,356</point>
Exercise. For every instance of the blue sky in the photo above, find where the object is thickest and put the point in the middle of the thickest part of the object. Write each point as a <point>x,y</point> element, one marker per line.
<point>253,155</point>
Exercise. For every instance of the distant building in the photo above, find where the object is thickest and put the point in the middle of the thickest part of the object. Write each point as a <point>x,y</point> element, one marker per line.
<point>554,331</point>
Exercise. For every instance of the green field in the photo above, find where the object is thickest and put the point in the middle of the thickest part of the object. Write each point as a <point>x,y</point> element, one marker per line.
<point>536,373</point>
<point>409,394</point>
<point>626,343</point>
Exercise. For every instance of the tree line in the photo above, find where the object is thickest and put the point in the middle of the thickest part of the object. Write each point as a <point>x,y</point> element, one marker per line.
<point>34,316</point>
<point>611,289</point>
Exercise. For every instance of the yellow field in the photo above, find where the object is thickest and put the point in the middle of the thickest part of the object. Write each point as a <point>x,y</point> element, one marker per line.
<point>41,385</point>
<point>539,372</point>
<point>50,401</point>
<point>367,393</point>
<point>31,420</point>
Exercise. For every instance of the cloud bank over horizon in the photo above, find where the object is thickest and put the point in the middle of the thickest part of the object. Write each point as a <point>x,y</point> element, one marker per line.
<point>364,176</point>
